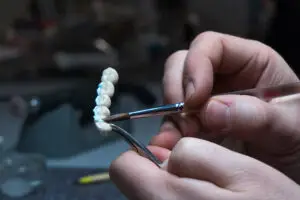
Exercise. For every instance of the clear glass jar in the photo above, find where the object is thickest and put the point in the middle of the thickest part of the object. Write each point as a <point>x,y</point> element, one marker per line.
<point>21,174</point>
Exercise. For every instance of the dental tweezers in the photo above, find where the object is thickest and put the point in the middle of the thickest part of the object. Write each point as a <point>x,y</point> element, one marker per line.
<point>139,147</point>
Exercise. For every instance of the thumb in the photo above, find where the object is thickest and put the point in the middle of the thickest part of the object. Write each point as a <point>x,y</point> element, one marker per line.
<point>252,120</point>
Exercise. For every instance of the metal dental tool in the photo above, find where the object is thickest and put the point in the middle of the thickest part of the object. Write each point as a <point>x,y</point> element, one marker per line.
<point>265,94</point>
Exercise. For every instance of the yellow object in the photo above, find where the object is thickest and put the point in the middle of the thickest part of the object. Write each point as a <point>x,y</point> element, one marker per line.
<point>94,178</point>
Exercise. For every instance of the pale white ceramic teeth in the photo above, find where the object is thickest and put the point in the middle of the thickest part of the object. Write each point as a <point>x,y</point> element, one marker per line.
<point>106,88</point>
<point>105,91</point>
<point>103,126</point>
<point>101,111</point>
<point>110,75</point>
<point>103,100</point>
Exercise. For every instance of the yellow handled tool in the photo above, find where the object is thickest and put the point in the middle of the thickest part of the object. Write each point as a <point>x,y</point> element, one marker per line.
<point>92,179</point>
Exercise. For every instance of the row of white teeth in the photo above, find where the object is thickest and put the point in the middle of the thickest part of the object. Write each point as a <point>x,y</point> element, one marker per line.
<point>105,91</point>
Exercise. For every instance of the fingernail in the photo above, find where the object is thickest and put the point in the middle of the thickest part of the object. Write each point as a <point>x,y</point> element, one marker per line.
<point>166,126</point>
<point>216,116</point>
<point>189,87</point>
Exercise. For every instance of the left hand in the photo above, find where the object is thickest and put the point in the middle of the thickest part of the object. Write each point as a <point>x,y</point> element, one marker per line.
<point>198,169</point>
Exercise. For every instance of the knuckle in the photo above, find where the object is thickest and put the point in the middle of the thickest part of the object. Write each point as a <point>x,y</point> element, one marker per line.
<point>187,145</point>
<point>192,152</point>
<point>180,152</point>
<point>267,54</point>
<point>271,55</point>
<point>184,145</point>
<point>261,45</point>
<point>206,35</point>
<point>258,119</point>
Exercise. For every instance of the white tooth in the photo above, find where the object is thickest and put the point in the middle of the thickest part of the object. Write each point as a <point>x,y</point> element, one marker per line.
<point>103,100</point>
<point>97,118</point>
<point>110,75</point>
<point>106,88</point>
<point>109,70</point>
<point>103,127</point>
<point>101,112</point>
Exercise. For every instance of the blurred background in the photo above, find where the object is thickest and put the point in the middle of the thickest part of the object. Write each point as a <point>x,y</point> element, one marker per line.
<point>52,53</point>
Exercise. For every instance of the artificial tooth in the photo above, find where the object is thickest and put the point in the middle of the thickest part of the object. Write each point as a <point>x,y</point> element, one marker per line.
<point>106,88</point>
<point>103,100</point>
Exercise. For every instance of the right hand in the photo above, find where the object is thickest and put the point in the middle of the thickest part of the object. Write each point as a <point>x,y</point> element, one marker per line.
<point>217,63</point>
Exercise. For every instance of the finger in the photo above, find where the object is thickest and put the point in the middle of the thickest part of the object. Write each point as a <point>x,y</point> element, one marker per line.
<point>252,120</point>
<point>161,153</point>
<point>146,181</point>
<point>173,93</point>
<point>169,134</point>
<point>136,176</point>
<point>172,80</point>
<point>174,128</point>
<point>202,160</point>
<point>173,90</point>
<point>235,62</point>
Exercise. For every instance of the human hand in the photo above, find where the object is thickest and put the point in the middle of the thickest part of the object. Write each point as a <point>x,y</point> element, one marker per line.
<point>198,169</point>
<point>217,63</point>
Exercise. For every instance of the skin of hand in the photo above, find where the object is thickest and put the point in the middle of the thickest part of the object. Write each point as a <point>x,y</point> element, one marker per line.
<point>217,63</point>
<point>200,170</point>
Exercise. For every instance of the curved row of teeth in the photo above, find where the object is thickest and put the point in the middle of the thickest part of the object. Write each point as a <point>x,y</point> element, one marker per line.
<point>105,91</point>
